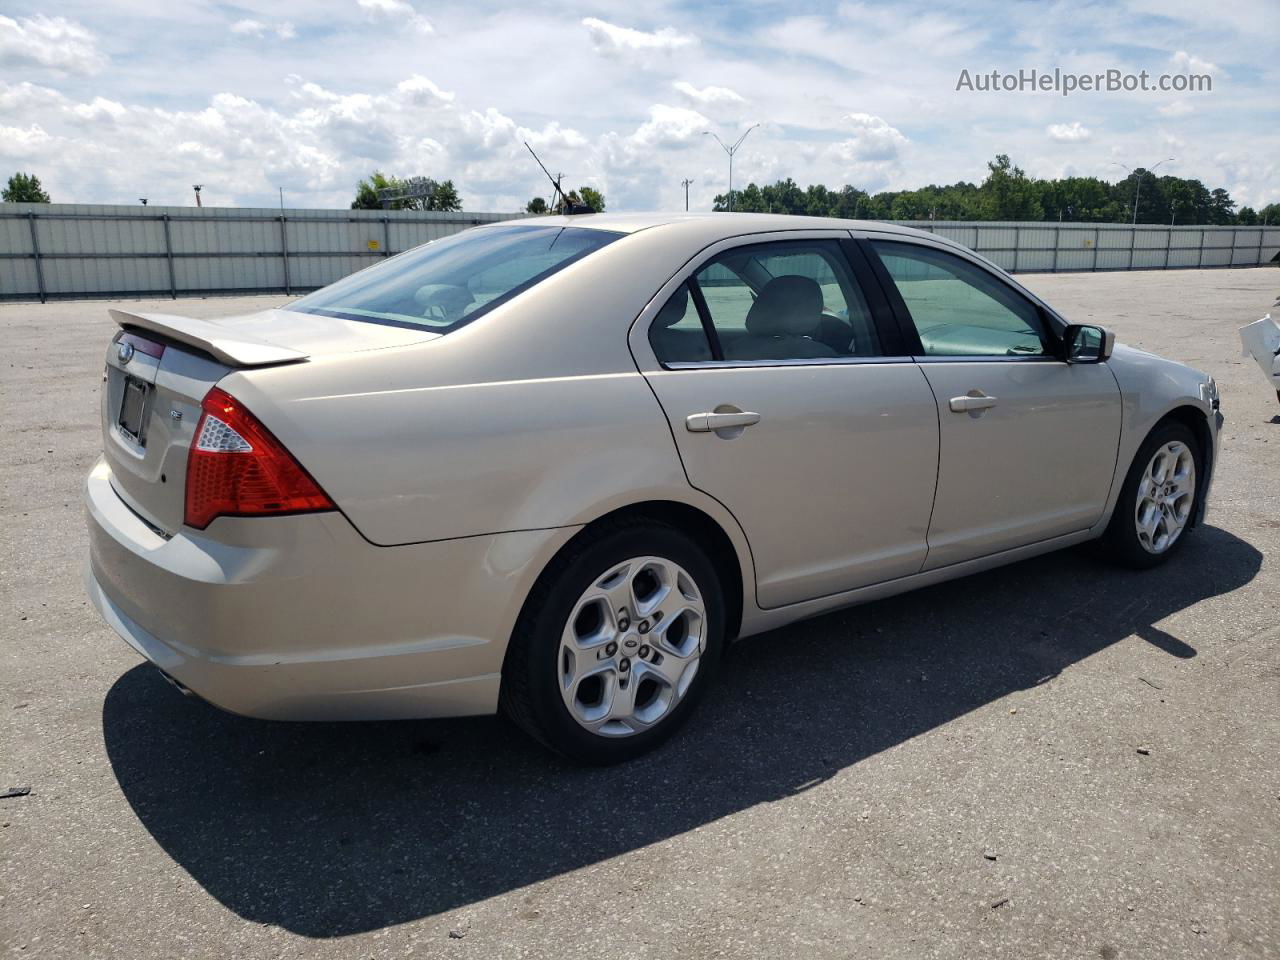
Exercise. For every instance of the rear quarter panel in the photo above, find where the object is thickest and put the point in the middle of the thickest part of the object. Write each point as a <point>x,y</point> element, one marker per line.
<point>534,416</point>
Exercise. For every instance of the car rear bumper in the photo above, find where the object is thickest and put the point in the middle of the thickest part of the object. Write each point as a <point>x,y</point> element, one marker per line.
<point>300,618</point>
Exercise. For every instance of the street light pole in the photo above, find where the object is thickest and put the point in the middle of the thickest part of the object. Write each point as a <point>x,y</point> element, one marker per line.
<point>731,151</point>
<point>1137,192</point>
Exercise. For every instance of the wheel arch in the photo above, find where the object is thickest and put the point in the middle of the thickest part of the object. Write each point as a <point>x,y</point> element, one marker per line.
<point>1193,418</point>
<point>1197,421</point>
<point>733,569</point>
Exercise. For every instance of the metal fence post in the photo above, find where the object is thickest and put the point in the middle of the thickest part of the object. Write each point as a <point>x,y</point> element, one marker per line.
<point>1057,235</point>
<point>1133,242</point>
<point>168,252</point>
<point>386,236</point>
<point>1200,259</point>
<point>1168,245</point>
<point>35,252</point>
<point>1257,261</point>
<point>1097,239</point>
<point>284,253</point>
<point>1017,245</point>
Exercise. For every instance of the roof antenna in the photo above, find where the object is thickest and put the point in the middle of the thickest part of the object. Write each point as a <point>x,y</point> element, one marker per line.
<point>565,206</point>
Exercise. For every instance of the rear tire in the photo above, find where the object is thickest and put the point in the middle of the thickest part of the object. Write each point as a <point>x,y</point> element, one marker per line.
<point>617,642</point>
<point>1160,496</point>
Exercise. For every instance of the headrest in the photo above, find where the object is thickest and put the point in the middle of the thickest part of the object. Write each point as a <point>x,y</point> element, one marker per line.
<point>674,310</point>
<point>448,297</point>
<point>787,307</point>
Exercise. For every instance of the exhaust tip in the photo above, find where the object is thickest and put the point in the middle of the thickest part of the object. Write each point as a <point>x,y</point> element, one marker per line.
<point>177,685</point>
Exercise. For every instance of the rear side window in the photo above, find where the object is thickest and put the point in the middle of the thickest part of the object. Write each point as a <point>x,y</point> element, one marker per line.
<point>676,334</point>
<point>790,300</point>
<point>958,309</point>
<point>449,282</point>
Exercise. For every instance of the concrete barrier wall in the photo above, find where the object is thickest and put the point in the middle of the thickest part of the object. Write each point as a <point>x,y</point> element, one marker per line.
<point>1063,247</point>
<point>69,251</point>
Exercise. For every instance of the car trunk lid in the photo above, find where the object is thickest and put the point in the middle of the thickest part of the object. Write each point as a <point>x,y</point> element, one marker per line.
<point>159,368</point>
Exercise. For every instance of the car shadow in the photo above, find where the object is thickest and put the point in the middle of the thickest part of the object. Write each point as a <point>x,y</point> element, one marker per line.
<point>333,829</point>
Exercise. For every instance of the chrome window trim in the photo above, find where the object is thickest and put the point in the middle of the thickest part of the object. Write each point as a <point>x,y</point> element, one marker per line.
<point>798,362</point>
<point>988,358</point>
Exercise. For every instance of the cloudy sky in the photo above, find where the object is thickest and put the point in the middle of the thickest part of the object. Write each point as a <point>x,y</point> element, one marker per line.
<point>111,100</point>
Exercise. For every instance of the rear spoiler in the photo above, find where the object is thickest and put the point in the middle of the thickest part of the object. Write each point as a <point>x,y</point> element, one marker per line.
<point>223,343</point>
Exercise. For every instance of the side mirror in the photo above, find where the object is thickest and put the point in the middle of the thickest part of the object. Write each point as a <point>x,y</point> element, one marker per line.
<point>1085,343</point>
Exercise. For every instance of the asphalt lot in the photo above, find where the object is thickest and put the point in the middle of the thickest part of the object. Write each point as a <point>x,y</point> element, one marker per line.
<point>952,773</point>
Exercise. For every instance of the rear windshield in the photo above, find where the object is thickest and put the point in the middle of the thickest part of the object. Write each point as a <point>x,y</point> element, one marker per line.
<point>444,284</point>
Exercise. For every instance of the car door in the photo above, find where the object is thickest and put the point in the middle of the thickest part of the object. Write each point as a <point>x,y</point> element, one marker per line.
<point>791,403</point>
<point>1028,441</point>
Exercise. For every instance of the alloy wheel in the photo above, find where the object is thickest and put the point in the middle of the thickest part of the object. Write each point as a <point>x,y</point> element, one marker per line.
<point>631,646</point>
<point>1166,494</point>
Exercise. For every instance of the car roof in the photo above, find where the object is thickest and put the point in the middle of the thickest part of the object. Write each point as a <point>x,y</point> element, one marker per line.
<point>729,224</point>
<point>696,231</point>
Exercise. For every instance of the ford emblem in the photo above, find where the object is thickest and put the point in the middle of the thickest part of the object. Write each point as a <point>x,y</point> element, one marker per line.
<point>124,353</point>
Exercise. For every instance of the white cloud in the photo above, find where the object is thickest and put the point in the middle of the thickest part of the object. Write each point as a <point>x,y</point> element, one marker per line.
<point>1073,132</point>
<point>316,146</point>
<point>870,158</point>
<point>708,96</point>
<point>669,127</point>
<point>418,89</point>
<point>55,42</point>
<point>396,10</point>
<point>610,38</point>
<point>100,109</point>
<point>24,143</point>
<point>873,138</point>
<point>1189,63</point>
<point>256,28</point>
<point>196,102</point>
<point>1175,108</point>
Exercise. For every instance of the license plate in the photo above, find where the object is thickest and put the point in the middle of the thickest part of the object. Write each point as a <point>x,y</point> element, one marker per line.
<point>132,408</point>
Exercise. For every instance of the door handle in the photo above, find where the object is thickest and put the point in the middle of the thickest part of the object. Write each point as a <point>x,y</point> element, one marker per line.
<point>976,400</point>
<point>707,422</point>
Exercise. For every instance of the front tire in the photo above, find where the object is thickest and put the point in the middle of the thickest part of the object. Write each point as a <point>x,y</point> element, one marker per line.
<point>1159,498</point>
<point>616,644</point>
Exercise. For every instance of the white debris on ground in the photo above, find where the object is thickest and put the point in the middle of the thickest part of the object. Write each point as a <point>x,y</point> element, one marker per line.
<point>1261,341</point>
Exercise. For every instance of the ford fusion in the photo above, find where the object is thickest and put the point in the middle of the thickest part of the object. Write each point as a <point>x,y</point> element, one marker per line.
<point>552,466</point>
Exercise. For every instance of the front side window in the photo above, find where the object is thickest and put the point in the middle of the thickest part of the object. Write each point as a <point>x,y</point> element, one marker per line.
<point>790,300</point>
<point>444,284</point>
<point>958,309</point>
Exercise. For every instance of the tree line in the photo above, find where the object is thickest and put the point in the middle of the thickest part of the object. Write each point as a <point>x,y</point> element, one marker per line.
<point>588,197</point>
<point>382,191</point>
<point>1008,193</point>
<point>24,188</point>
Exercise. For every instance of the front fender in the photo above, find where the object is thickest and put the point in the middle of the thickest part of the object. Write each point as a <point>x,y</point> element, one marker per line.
<point>1151,389</point>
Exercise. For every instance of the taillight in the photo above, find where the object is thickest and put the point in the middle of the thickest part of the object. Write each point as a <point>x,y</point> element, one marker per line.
<point>237,468</point>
